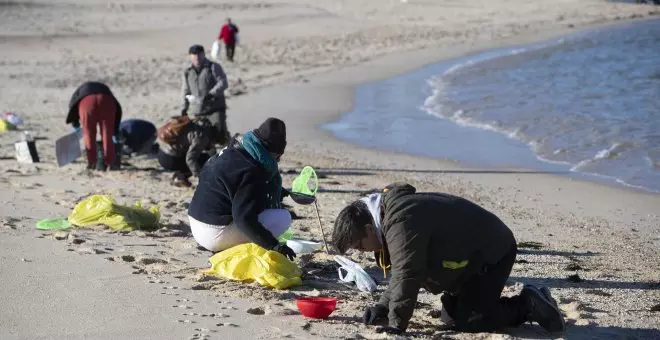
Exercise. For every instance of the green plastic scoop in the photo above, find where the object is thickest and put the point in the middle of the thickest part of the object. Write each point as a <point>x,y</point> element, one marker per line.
<point>300,191</point>
<point>302,194</point>
<point>54,224</point>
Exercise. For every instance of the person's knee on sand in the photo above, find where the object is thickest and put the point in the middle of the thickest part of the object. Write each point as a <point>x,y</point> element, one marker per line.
<point>219,238</point>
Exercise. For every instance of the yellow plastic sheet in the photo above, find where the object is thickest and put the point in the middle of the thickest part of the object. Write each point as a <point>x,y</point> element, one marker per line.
<point>249,262</point>
<point>102,209</point>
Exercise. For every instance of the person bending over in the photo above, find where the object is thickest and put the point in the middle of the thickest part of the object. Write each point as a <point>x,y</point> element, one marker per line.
<point>186,148</point>
<point>137,136</point>
<point>93,105</point>
<point>445,244</point>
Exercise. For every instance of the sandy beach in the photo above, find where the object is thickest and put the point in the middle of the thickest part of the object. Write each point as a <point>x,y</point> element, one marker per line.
<point>596,246</point>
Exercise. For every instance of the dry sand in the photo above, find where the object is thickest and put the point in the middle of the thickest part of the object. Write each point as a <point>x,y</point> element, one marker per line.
<point>299,61</point>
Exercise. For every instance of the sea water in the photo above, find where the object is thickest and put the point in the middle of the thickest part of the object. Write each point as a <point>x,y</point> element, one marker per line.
<point>585,104</point>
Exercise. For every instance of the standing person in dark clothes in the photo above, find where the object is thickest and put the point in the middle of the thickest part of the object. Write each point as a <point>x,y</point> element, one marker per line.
<point>92,105</point>
<point>203,91</point>
<point>445,244</point>
<point>188,151</point>
<point>229,35</point>
<point>239,196</point>
<point>138,136</point>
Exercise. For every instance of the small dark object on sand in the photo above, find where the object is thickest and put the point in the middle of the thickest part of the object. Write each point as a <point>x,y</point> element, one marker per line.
<point>530,245</point>
<point>522,261</point>
<point>575,278</point>
<point>573,267</point>
<point>598,292</point>
<point>655,308</point>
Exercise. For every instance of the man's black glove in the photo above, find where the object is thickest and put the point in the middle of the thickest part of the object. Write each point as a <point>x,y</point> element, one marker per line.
<point>208,98</point>
<point>389,330</point>
<point>285,250</point>
<point>374,314</point>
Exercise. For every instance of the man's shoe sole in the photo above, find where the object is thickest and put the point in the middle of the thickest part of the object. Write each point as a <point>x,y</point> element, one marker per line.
<point>553,327</point>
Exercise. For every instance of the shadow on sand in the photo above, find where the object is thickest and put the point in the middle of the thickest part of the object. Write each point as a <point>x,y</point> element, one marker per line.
<point>586,284</point>
<point>355,171</point>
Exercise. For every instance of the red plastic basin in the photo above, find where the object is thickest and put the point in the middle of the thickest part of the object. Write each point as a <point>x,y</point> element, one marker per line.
<point>316,307</point>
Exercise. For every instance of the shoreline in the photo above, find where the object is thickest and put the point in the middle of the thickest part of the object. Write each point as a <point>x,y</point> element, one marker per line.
<point>451,130</point>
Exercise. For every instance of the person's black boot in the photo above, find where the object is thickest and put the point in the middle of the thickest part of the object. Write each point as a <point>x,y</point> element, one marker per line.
<point>449,304</point>
<point>543,309</point>
<point>180,180</point>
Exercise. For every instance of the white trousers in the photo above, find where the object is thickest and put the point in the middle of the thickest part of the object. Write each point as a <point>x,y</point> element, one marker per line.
<point>218,238</point>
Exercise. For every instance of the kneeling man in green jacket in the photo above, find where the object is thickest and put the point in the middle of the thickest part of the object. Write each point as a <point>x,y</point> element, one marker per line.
<point>445,244</point>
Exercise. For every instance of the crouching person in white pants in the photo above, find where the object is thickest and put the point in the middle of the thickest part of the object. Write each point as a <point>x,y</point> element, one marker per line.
<point>217,238</point>
<point>239,196</point>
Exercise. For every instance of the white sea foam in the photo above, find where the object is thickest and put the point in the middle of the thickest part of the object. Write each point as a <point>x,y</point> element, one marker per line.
<point>433,106</point>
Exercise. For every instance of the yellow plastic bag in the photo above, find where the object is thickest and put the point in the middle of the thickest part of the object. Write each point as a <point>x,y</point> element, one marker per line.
<point>102,209</point>
<point>6,126</point>
<point>249,262</point>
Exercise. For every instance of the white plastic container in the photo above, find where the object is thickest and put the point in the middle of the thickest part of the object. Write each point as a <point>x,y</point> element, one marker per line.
<point>303,246</point>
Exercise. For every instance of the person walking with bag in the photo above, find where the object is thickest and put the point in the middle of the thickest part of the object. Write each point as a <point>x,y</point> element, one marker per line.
<point>229,35</point>
<point>203,91</point>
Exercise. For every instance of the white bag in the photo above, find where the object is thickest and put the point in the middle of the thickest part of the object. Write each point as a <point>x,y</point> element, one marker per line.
<point>355,273</point>
<point>215,50</point>
<point>26,152</point>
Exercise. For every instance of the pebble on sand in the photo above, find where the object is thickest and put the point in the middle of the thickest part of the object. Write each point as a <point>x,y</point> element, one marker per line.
<point>257,311</point>
<point>575,278</point>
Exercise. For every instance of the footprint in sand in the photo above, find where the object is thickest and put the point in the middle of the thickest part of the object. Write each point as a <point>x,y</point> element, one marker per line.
<point>75,240</point>
<point>89,251</point>
<point>182,306</point>
<point>258,311</point>
<point>226,324</point>
<point>203,286</point>
<point>579,314</point>
<point>61,235</point>
<point>202,334</point>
